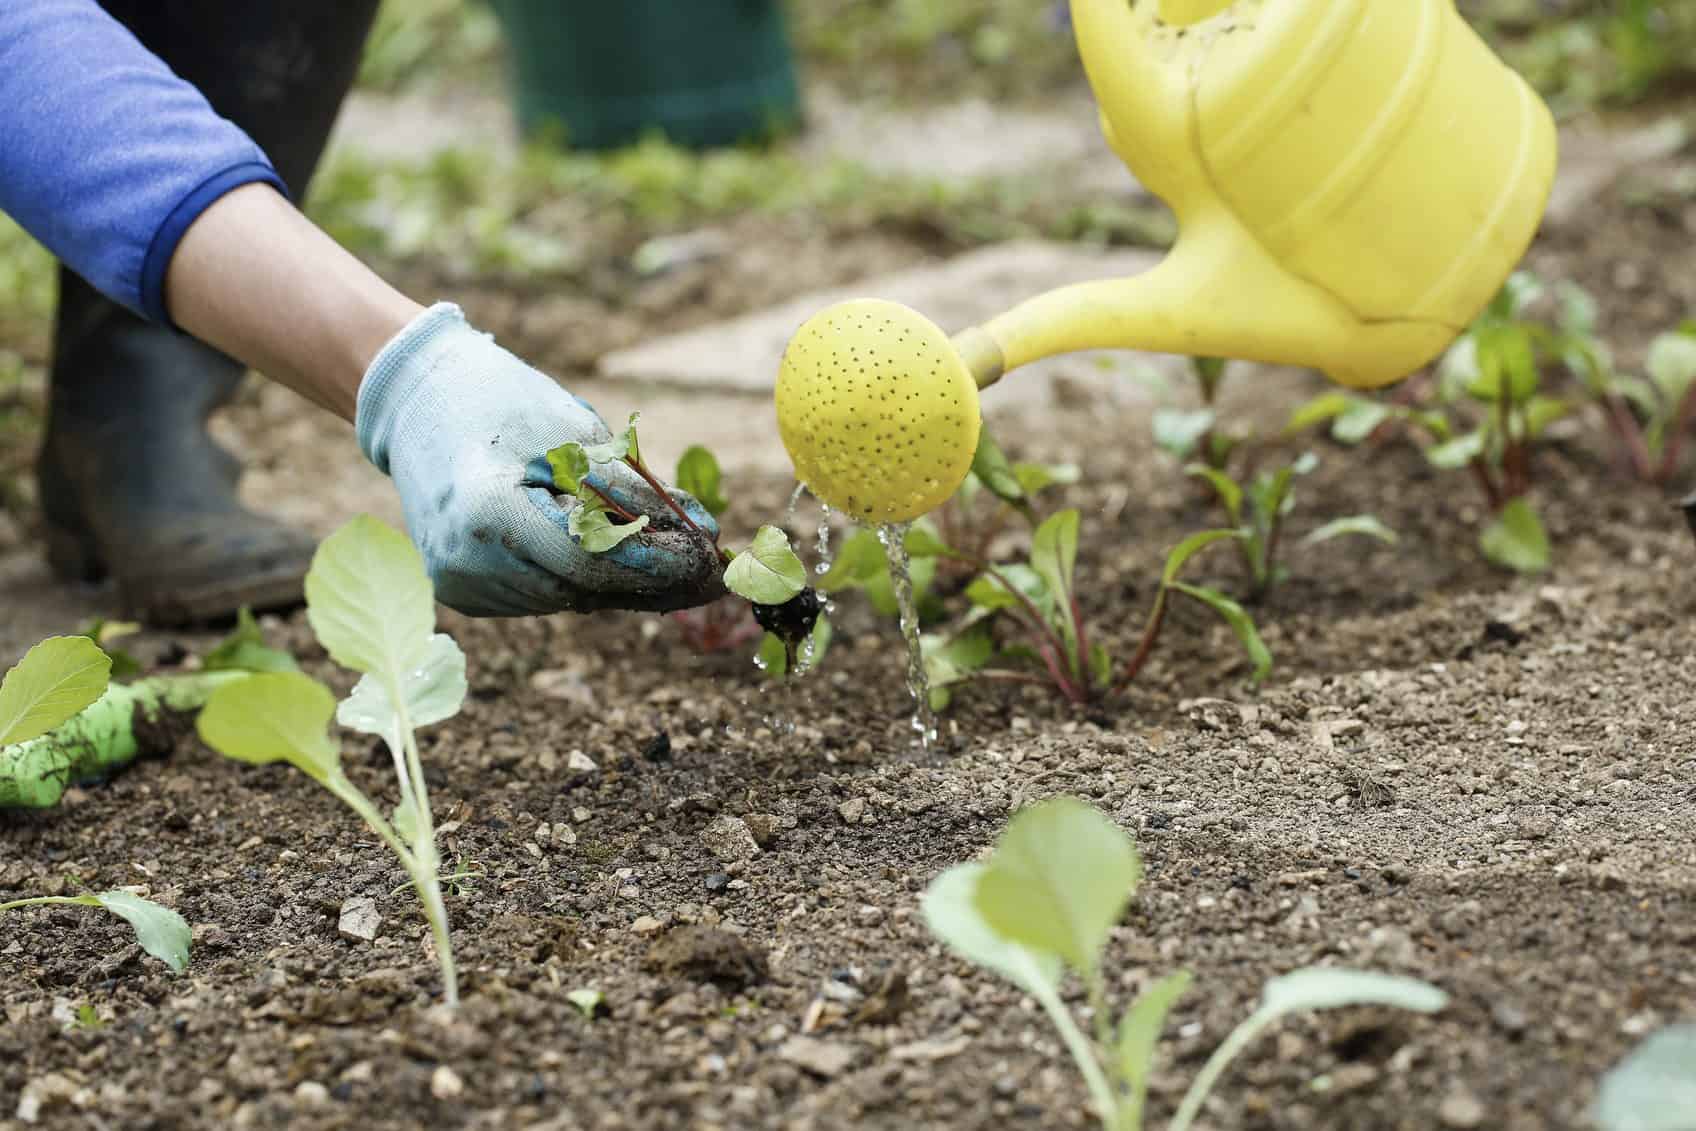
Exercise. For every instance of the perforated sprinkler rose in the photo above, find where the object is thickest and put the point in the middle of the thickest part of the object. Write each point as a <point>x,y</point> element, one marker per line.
<point>878,410</point>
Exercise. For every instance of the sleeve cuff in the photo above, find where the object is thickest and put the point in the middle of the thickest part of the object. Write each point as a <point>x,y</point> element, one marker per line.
<point>170,233</point>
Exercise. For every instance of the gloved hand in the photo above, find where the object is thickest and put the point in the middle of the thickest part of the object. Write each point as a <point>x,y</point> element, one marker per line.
<point>463,428</point>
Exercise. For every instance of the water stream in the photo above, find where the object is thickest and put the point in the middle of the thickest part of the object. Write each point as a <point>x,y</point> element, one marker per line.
<point>893,536</point>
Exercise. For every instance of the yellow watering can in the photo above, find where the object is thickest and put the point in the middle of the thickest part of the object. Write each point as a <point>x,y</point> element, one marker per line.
<point>1353,181</point>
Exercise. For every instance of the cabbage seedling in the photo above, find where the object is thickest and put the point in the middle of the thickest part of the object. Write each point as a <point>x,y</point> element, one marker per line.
<point>1654,1088</point>
<point>122,723</point>
<point>1040,598</point>
<point>371,606</point>
<point>1046,902</point>
<point>1258,510</point>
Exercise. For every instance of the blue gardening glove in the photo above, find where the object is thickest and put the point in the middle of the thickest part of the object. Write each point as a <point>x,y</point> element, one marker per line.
<point>463,428</point>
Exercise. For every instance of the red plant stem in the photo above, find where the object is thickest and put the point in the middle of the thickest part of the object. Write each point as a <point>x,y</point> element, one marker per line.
<point>1269,560</point>
<point>639,468</point>
<point>1145,647</point>
<point>1083,639</point>
<point>612,504</point>
<point>1492,493</point>
<point>1064,682</point>
<point>1037,619</point>
<point>1673,445</point>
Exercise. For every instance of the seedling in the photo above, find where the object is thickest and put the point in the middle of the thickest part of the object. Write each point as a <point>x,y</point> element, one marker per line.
<point>161,932</point>
<point>1196,434</point>
<point>768,574</point>
<point>1047,901</point>
<point>1490,416</point>
<point>371,606</point>
<point>723,625</point>
<point>1649,415</point>
<point>995,492</point>
<point>1258,510</point>
<point>1653,1089</point>
<point>1040,598</point>
<point>121,723</point>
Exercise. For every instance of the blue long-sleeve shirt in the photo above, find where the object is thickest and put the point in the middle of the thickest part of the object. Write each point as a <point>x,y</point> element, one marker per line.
<point>106,156</point>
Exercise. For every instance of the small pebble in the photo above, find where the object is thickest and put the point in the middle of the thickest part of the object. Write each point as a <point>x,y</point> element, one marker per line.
<point>851,811</point>
<point>717,882</point>
<point>1461,1109</point>
<point>580,763</point>
<point>311,1092</point>
<point>826,1059</point>
<point>445,1083</point>
<point>359,919</point>
<point>729,839</point>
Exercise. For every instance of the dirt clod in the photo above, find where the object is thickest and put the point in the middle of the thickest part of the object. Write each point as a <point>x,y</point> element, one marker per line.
<point>706,954</point>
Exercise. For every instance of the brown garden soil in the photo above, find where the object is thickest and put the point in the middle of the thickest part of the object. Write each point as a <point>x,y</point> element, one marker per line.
<point>1482,781</point>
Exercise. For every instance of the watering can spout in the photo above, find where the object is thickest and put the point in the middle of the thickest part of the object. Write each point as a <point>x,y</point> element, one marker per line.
<point>1218,294</point>
<point>1353,181</point>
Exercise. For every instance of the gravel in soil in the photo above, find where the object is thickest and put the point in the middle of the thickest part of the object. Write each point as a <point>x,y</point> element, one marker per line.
<point>1477,780</point>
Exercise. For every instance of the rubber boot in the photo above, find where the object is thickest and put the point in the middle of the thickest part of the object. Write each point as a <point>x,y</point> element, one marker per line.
<point>132,487</point>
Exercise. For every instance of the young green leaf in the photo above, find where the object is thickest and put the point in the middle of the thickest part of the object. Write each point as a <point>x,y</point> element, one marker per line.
<point>245,650</point>
<point>434,691</point>
<point>1319,410</point>
<point>161,932</point>
<point>923,540</point>
<point>274,717</point>
<point>989,594</point>
<point>698,473</point>
<point>767,572</point>
<point>1654,1088</point>
<point>592,1002</point>
<point>1363,524</point>
<point>592,525</point>
<point>1327,987</point>
<point>1054,551</point>
<point>1100,666</point>
<point>1672,365</point>
<point>1178,432</point>
<point>951,660</point>
<point>1458,452</point>
<point>1229,492</point>
<point>1516,540</point>
<point>951,912</point>
<point>989,464</point>
<point>1507,362</point>
<point>1241,623</point>
<point>54,681</point>
<point>369,600</point>
<point>858,560</point>
<point>1139,1035</point>
<point>1181,554</point>
<point>1540,412</point>
<point>621,447</point>
<point>1037,477</point>
<point>1312,988</point>
<point>570,464</point>
<point>1059,880</point>
<point>1358,420</point>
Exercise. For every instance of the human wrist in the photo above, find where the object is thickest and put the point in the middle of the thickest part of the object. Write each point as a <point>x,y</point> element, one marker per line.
<point>399,376</point>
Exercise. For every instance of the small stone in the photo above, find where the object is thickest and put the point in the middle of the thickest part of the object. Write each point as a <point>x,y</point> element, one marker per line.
<point>826,1059</point>
<point>580,763</point>
<point>311,1092</point>
<point>646,925</point>
<point>1353,1077</point>
<point>717,882</point>
<point>852,810</point>
<point>1509,1018</point>
<point>359,919</point>
<point>565,685</point>
<point>729,839</point>
<point>763,826</point>
<point>359,1072</point>
<point>581,815</point>
<point>869,915</point>
<point>1461,1109</point>
<point>445,1083</point>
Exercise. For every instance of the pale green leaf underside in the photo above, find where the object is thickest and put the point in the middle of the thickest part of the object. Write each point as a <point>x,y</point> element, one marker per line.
<point>767,572</point>
<point>1654,1088</point>
<point>161,932</point>
<point>275,717</point>
<point>434,691</point>
<point>950,910</point>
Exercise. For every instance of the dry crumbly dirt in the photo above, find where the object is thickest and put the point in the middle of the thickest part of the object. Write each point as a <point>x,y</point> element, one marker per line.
<point>1482,781</point>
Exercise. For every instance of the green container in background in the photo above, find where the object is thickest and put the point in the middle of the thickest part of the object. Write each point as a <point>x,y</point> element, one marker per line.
<point>604,73</point>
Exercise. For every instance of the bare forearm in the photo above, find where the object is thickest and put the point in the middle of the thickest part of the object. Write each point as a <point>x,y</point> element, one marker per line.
<point>261,282</point>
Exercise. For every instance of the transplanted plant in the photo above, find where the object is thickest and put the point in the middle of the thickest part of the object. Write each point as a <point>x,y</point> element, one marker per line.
<point>1046,902</point>
<point>768,574</point>
<point>1490,415</point>
<point>56,681</point>
<point>1650,415</point>
<point>1054,647</point>
<point>1258,509</point>
<point>372,607</point>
